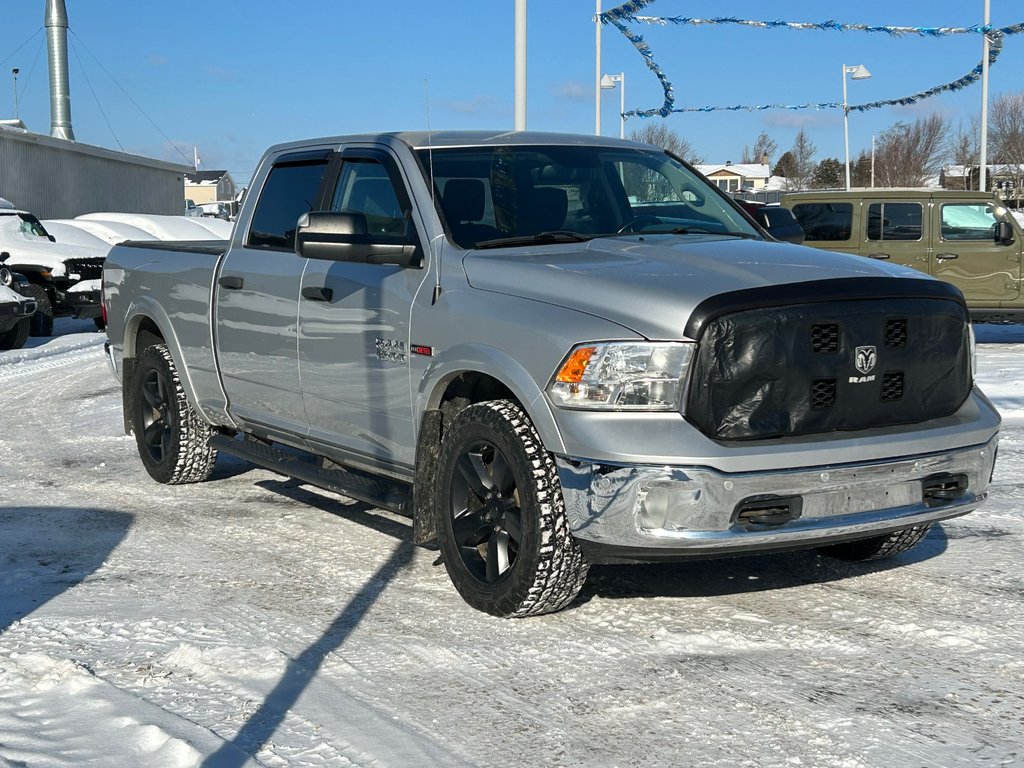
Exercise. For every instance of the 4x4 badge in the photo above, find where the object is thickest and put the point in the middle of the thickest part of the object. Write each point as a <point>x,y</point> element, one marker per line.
<point>865,359</point>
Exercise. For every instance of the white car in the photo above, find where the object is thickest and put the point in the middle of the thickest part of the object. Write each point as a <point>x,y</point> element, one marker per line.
<point>63,278</point>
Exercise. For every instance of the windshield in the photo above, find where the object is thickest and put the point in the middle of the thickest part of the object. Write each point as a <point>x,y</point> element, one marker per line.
<point>26,224</point>
<point>574,193</point>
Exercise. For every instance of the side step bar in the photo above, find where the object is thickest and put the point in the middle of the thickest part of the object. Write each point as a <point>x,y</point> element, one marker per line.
<point>380,492</point>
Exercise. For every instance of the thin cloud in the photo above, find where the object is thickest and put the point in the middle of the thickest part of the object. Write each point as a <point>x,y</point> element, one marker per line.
<point>573,90</point>
<point>474,106</point>
<point>220,73</point>
<point>799,120</point>
<point>159,61</point>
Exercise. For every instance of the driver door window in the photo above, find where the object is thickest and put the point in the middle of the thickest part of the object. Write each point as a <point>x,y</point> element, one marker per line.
<point>366,189</point>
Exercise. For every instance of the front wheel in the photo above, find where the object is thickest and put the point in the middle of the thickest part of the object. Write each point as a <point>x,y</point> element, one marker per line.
<point>878,547</point>
<point>16,337</point>
<point>502,526</point>
<point>42,320</point>
<point>173,440</point>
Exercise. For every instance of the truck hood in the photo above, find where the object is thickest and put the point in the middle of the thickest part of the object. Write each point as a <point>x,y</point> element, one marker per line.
<point>650,285</point>
<point>40,252</point>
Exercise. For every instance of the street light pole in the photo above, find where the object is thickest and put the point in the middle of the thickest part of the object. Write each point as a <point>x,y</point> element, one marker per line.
<point>597,69</point>
<point>14,74</point>
<point>983,145</point>
<point>608,82</point>
<point>520,66</point>
<point>858,72</point>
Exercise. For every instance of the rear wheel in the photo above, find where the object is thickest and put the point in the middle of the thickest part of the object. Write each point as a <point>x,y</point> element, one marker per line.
<point>173,440</point>
<point>878,547</point>
<point>41,323</point>
<point>502,526</point>
<point>16,337</point>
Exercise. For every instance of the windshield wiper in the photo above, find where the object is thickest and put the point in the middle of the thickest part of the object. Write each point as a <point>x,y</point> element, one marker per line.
<point>700,231</point>
<point>554,236</point>
<point>683,231</point>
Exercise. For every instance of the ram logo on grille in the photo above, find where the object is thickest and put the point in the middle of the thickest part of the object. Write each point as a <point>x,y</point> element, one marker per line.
<point>866,359</point>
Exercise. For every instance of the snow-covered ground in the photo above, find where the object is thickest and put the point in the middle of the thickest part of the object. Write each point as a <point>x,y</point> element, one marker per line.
<point>253,621</point>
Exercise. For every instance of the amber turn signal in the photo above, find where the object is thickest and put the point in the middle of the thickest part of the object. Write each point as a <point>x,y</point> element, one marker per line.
<point>574,368</point>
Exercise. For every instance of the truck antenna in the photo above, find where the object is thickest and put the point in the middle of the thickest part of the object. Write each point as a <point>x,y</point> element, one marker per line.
<point>430,162</point>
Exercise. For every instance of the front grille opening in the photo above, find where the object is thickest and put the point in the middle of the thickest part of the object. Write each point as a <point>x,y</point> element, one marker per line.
<point>825,338</point>
<point>823,393</point>
<point>892,386</point>
<point>759,512</point>
<point>944,488</point>
<point>86,269</point>
<point>896,334</point>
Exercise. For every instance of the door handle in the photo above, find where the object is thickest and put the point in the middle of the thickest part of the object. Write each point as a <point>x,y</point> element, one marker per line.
<point>946,256</point>
<point>231,283</point>
<point>317,293</point>
<point>878,256</point>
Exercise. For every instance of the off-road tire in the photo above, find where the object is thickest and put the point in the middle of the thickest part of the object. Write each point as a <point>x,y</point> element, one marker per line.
<point>544,569</point>
<point>173,440</point>
<point>16,337</point>
<point>41,323</point>
<point>878,547</point>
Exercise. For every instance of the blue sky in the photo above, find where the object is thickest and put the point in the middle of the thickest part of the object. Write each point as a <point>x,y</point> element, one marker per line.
<point>233,77</point>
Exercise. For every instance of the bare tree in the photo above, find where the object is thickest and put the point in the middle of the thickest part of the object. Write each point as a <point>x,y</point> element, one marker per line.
<point>1006,137</point>
<point>764,146</point>
<point>965,153</point>
<point>660,135</point>
<point>802,166</point>
<point>908,155</point>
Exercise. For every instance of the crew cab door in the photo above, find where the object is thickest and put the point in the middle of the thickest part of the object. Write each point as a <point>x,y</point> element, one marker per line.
<point>967,255</point>
<point>895,231</point>
<point>354,336</point>
<point>257,291</point>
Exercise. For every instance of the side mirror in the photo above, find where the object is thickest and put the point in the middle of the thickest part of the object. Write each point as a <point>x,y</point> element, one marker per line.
<point>335,236</point>
<point>1004,233</point>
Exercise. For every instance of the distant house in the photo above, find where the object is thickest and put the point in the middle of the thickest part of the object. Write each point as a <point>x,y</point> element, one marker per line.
<point>209,186</point>
<point>1005,179</point>
<point>737,177</point>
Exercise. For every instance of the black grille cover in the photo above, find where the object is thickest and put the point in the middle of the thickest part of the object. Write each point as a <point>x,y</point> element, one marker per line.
<point>764,372</point>
<point>87,269</point>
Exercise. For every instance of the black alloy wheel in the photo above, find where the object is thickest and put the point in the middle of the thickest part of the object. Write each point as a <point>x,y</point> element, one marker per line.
<point>157,423</point>
<point>487,518</point>
<point>502,527</point>
<point>172,438</point>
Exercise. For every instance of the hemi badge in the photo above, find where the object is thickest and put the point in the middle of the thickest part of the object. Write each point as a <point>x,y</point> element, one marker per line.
<point>419,349</point>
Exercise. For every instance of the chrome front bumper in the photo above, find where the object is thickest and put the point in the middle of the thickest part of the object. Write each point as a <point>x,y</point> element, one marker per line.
<point>697,510</point>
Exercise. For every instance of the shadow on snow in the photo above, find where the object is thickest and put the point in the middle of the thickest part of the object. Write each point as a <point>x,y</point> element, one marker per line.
<point>45,551</point>
<point>739,575</point>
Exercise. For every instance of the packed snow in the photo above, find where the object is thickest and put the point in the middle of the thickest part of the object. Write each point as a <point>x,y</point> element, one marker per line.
<point>253,621</point>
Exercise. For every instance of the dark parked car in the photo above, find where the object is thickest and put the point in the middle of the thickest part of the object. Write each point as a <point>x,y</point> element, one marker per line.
<point>779,221</point>
<point>15,308</point>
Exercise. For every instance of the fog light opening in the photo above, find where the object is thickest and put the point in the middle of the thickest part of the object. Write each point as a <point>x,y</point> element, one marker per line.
<point>759,512</point>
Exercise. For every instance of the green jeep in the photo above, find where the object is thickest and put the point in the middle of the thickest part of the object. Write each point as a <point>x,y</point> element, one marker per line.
<point>966,238</point>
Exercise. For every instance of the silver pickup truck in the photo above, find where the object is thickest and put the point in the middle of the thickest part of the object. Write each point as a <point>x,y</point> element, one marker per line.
<point>550,351</point>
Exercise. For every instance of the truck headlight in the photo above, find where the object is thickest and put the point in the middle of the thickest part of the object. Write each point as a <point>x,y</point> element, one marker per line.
<point>622,376</point>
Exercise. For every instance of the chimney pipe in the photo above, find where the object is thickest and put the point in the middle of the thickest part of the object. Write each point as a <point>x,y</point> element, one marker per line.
<point>60,91</point>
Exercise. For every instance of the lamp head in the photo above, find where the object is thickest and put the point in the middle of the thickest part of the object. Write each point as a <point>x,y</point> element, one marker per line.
<point>859,72</point>
<point>608,82</point>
